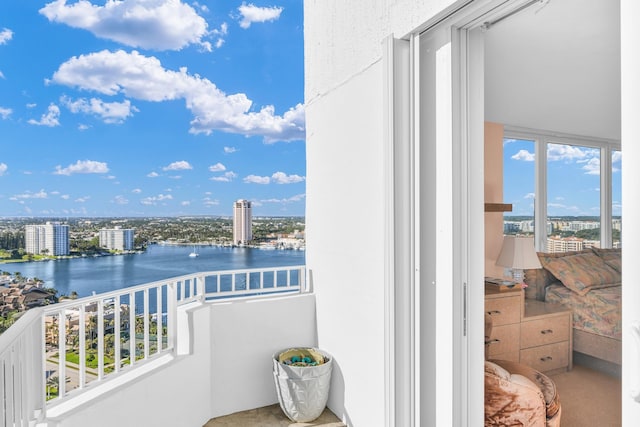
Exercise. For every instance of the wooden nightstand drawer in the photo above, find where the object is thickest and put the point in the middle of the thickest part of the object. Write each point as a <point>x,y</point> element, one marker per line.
<point>504,339</point>
<point>545,331</point>
<point>546,357</point>
<point>504,311</point>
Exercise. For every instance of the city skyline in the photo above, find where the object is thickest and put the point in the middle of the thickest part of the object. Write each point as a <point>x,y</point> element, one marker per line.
<point>151,108</point>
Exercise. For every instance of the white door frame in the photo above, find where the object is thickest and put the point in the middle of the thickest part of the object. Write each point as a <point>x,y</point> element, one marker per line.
<point>435,219</point>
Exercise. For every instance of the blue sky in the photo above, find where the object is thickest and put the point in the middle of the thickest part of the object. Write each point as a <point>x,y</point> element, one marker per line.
<point>151,107</point>
<point>573,179</point>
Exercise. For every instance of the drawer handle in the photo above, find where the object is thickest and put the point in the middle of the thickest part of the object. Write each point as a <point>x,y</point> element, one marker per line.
<point>492,312</point>
<point>546,331</point>
<point>546,358</point>
<point>493,341</point>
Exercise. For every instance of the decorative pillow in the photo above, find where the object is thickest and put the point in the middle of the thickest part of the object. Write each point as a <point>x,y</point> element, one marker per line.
<point>538,279</point>
<point>612,256</point>
<point>582,272</point>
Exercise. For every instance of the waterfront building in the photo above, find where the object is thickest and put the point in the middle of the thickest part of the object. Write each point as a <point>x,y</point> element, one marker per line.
<point>51,238</point>
<point>242,222</point>
<point>118,238</point>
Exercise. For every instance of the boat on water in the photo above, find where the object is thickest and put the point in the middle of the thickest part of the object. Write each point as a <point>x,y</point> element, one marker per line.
<point>194,253</point>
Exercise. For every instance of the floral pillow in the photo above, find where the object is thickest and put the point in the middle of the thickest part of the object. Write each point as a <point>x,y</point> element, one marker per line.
<point>582,272</point>
<point>613,257</point>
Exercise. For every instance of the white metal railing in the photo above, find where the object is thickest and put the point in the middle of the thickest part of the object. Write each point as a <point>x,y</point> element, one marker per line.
<point>58,350</point>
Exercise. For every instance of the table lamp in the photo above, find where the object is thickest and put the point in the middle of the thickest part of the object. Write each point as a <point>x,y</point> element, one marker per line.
<point>517,254</point>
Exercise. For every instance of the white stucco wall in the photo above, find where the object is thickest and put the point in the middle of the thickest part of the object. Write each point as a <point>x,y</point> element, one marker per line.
<point>343,38</point>
<point>245,336</point>
<point>344,214</point>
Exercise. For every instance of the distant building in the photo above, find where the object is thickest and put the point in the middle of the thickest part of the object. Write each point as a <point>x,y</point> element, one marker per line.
<point>120,239</point>
<point>51,238</point>
<point>242,222</point>
<point>564,244</point>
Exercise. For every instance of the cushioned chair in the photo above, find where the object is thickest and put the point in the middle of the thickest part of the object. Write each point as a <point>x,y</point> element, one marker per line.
<point>517,395</point>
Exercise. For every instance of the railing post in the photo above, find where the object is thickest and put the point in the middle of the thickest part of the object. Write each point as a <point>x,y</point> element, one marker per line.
<point>82,352</point>
<point>172,311</point>
<point>302,280</point>
<point>62,354</point>
<point>116,333</point>
<point>200,288</point>
<point>100,325</point>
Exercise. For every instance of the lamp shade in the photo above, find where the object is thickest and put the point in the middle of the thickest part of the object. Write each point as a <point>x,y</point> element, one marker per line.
<point>518,252</point>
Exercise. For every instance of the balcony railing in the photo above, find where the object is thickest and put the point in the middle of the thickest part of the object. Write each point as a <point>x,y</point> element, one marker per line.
<point>55,352</point>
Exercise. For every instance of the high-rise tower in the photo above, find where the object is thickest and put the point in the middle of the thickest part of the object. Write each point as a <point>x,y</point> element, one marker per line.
<point>242,222</point>
<point>51,238</point>
<point>117,238</point>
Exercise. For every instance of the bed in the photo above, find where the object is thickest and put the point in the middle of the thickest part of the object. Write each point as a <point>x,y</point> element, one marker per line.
<point>596,307</point>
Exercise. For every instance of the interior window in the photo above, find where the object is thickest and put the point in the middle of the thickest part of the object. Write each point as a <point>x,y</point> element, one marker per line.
<point>616,198</point>
<point>519,185</point>
<point>573,197</point>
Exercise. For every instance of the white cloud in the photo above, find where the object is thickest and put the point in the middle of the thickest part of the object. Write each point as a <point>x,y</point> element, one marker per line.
<point>3,168</point>
<point>120,200</point>
<point>292,199</point>
<point>530,196</point>
<point>178,166</point>
<point>155,199</point>
<point>149,24</point>
<point>218,167</point>
<point>141,77</point>
<point>5,112</point>
<point>283,178</point>
<point>227,177</point>
<point>1,75</point>
<point>153,175</point>
<point>592,166</point>
<point>50,118</point>
<point>82,199</point>
<point>229,150</point>
<point>65,197</point>
<point>185,203</point>
<point>557,152</point>
<point>136,191</point>
<point>251,13</point>
<point>83,127</point>
<point>108,112</point>
<point>220,34</point>
<point>254,179</point>
<point>32,105</point>
<point>209,202</point>
<point>524,155</point>
<point>83,166</point>
<point>29,195</point>
<point>5,35</point>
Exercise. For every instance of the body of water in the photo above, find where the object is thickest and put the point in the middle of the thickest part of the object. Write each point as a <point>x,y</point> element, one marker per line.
<point>108,273</point>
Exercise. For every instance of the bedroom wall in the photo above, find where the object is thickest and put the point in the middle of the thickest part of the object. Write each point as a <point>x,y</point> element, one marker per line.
<point>493,193</point>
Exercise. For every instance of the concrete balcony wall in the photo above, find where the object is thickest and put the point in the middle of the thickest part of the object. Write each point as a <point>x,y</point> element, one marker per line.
<point>245,337</point>
<point>174,394</point>
<point>227,369</point>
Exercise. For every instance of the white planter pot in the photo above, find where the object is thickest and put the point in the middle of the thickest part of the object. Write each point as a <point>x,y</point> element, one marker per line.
<point>302,390</point>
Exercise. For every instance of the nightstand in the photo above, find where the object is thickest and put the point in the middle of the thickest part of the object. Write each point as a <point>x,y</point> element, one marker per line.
<point>505,309</point>
<point>546,339</point>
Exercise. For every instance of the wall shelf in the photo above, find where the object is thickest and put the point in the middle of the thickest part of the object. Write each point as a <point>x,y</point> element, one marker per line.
<point>498,207</point>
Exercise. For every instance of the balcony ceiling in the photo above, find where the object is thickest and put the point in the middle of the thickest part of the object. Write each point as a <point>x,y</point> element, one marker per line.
<point>556,68</point>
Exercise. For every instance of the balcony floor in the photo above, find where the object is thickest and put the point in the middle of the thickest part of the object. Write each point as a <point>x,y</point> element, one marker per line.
<point>271,416</point>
